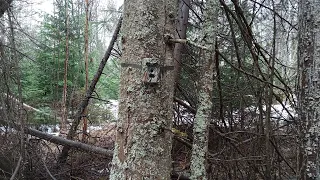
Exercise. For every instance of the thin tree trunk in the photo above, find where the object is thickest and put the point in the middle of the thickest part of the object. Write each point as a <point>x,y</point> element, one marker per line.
<point>86,53</point>
<point>84,103</point>
<point>19,103</point>
<point>268,173</point>
<point>143,138</point>
<point>183,16</point>
<point>203,116</point>
<point>63,128</point>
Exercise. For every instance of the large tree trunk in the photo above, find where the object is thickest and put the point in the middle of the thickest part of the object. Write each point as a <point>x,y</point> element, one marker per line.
<point>143,138</point>
<point>203,116</point>
<point>309,84</point>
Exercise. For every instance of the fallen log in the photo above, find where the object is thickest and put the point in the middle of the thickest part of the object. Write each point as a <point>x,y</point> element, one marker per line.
<point>78,145</point>
<point>69,143</point>
<point>61,141</point>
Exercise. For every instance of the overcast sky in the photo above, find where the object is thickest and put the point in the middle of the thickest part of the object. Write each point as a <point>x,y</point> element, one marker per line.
<point>47,5</point>
<point>34,9</point>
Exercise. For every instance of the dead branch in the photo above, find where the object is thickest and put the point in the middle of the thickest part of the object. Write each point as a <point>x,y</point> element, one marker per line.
<point>16,170</point>
<point>30,108</point>
<point>185,105</point>
<point>82,106</point>
<point>69,143</point>
<point>62,141</point>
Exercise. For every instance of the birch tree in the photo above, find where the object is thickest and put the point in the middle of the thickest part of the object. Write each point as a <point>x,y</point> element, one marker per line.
<point>203,116</point>
<point>309,92</point>
<point>143,138</point>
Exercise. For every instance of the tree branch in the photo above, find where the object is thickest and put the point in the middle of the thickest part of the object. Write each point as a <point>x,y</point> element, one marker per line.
<point>69,143</point>
<point>16,170</point>
<point>185,105</point>
<point>62,141</point>
<point>82,106</point>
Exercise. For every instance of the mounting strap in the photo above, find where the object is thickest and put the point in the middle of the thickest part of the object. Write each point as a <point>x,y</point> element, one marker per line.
<point>137,66</point>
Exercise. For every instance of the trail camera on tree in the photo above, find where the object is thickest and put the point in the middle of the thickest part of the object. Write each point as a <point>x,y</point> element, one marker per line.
<point>151,71</point>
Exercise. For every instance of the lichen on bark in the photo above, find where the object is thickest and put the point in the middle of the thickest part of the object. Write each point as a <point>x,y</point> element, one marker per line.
<point>309,88</point>
<point>203,116</point>
<point>143,142</point>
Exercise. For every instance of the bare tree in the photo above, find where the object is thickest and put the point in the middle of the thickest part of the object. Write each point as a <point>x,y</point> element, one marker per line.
<point>182,24</point>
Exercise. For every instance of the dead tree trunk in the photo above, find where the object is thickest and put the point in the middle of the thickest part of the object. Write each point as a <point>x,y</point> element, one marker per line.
<point>182,24</point>
<point>84,103</point>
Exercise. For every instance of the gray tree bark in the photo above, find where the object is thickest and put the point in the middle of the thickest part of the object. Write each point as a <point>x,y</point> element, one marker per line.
<point>309,92</point>
<point>143,138</point>
<point>182,24</point>
<point>203,116</point>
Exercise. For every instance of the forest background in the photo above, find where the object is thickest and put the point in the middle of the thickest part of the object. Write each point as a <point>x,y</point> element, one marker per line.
<point>257,127</point>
